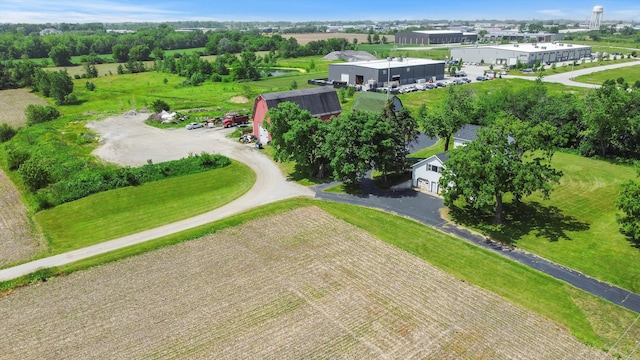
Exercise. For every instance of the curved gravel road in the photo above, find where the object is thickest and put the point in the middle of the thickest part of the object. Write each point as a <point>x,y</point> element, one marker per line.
<point>126,140</point>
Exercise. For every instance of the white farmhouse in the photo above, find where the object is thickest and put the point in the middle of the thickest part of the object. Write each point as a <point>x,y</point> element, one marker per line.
<point>426,173</point>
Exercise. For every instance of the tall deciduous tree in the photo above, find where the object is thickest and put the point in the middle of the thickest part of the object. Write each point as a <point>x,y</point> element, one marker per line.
<point>629,203</point>
<point>606,119</point>
<point>449,115</point>
<point>509,156</point>
<point>297,136</point>
<point>60,55</point>
<point>355,141</point>
<point>403,131</point>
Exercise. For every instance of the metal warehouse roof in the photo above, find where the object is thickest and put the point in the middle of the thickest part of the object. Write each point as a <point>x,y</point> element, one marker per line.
<point>437,32</point>
<point>536,47</point>
<point>394,63</point>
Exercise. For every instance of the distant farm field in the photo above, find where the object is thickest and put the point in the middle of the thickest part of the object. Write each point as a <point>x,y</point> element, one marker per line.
<point>12,105</point>
<point>17,242</point>
<point>301,284</point>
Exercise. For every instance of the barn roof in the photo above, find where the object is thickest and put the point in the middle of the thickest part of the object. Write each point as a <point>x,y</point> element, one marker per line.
<point>321,101</point>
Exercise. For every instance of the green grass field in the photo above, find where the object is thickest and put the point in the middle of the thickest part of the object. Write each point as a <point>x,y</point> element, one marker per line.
<point>125,211</point>
<point>631,74</point>
<point>577,226</point>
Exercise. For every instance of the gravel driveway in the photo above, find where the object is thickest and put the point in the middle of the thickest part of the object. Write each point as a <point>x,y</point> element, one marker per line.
<point>127,140</point>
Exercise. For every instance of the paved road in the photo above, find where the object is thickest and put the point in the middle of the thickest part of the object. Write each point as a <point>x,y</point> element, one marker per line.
<point>425,208</point>
<point>563,78</point>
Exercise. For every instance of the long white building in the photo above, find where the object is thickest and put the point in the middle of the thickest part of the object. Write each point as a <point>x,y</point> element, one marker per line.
<point>526,53</point>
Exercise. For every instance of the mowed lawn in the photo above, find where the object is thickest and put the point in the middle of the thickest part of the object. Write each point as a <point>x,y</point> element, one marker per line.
<point>584,234</point>
<point>125,211</point>
<point>577,226</point>
<point>630,74</point>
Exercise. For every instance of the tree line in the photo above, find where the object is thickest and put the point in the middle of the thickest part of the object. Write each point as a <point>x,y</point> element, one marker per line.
<point>145,42</point>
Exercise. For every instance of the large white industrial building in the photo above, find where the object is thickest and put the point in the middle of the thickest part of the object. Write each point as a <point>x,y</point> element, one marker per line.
<point>525,53</point>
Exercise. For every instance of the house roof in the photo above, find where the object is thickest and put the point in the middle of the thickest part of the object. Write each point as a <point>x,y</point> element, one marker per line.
<point>467,133</point>
<point>374,101</point>
<point>321,101</point>
<point>442,157</point>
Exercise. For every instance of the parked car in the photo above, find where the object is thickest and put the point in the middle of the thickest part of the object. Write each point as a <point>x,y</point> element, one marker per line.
<point>482,78</point>
<point>458,82</point>
<point>429,86</point>
<point>194,125</point>
<point>441,84</point>
<point>467,80</point>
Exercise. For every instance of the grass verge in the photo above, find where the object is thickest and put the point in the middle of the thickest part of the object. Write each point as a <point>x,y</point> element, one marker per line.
<point>125,211</point>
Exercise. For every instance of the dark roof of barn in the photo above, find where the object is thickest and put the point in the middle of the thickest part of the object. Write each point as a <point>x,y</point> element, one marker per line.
<point>320,101</point>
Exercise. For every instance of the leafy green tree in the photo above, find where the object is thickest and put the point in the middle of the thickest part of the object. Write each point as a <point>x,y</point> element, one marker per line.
<point>629,203</point>
<point>139,53</point>
<point>403,131</point>
<point>247,67</point>
<point>60,55</point>
<point>120,53</point>
<point>37,114</point>
<point>297,136</point>
<point>509,156</point>
<point>605,120</point>
<point>450,115</point>
<point>355,141</point>
<point>61,86</point>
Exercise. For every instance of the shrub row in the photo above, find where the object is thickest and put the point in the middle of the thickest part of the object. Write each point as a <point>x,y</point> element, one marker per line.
<point>93,180</point>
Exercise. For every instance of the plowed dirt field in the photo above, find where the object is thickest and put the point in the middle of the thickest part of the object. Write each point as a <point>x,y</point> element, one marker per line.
<point>297,285</point>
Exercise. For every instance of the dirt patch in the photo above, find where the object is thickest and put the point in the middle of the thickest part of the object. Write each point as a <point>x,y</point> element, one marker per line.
<point>297,285</point>
<point>239,100</point>
<point>17,241</point>
<point>14,102</point>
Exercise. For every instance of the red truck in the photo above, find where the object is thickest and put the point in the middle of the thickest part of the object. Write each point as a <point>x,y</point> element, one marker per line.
<point>234,119</point>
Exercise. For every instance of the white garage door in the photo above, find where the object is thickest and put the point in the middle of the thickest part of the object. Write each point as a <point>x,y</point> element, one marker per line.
<point>344,78</point>
<point>423,184</point>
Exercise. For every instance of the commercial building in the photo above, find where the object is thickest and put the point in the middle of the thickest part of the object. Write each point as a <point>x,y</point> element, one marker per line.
<point>525,53</point>
<point>435,37</point>
<point>388,72</point>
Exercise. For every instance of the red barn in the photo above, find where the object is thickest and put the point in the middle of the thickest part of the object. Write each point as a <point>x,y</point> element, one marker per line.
<point>321,102</point>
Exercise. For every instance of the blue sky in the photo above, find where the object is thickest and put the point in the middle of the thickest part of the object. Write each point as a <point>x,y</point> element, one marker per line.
<point>82,11</point>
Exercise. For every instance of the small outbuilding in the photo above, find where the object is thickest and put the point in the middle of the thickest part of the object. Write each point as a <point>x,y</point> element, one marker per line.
<point>321,102</point>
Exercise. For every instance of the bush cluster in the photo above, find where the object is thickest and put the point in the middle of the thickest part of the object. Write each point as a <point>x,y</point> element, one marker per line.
<point>94,180</point>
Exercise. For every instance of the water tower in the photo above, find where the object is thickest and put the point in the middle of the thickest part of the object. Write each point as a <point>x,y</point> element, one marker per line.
<point>596,17</point>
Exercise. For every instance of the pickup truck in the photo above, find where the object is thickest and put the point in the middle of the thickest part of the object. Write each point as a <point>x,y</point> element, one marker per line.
<point>234,120</point>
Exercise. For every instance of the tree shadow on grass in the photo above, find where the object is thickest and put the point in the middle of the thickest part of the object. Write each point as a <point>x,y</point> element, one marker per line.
<point>521,219</point>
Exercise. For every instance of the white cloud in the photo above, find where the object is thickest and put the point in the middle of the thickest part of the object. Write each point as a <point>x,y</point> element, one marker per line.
<point>40,11</point>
